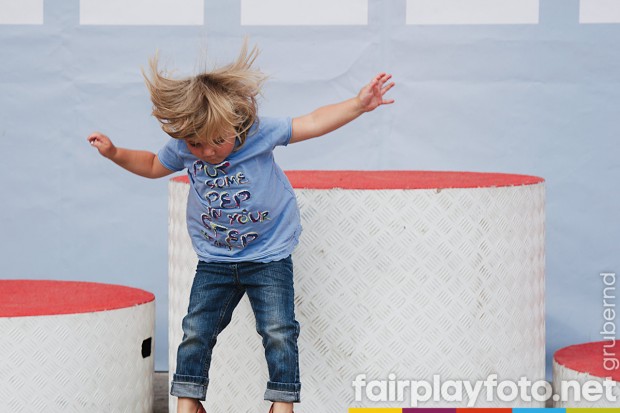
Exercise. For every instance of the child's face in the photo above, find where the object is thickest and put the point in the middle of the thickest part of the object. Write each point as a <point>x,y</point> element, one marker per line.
<point>212,154</point>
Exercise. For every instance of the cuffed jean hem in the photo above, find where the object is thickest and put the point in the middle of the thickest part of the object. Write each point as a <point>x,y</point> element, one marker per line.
<point>283,392</point>
<point>189,389</point>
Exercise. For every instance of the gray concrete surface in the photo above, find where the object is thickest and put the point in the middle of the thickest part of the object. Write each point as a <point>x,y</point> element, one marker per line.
<point>160,388</point>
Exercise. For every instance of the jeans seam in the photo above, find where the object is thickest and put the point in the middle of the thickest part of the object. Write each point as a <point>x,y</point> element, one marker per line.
<point>216,332</point>
<point>236,278</point>
<point>297,379</point>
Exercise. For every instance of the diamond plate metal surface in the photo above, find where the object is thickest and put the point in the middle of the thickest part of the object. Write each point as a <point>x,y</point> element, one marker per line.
<point>565,374</point>
<point>77,362</point>
<point>410,282</point>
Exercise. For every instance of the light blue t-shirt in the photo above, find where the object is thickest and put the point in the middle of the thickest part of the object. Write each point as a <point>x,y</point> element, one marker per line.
<point>244,208</point>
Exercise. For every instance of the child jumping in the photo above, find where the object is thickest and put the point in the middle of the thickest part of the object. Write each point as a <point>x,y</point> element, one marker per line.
<point>242,215</point>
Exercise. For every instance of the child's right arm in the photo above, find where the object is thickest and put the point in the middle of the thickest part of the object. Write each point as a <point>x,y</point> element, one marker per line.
<point>142,163</point>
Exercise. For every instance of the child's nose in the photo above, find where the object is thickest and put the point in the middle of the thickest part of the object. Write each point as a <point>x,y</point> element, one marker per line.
<point>208,151</point>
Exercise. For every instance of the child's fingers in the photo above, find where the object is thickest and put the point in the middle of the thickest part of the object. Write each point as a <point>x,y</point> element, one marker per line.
<point>385,79</point>
<point>378,79</point>
<point>373,84</point>
<point>97,139</point>
<point>386,88</point>
<point>96,143</point>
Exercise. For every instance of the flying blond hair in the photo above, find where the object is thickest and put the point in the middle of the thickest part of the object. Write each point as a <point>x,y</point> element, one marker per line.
<point>211,105</point>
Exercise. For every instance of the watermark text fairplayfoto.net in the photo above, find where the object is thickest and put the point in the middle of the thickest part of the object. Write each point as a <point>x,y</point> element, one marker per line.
<point>491,389</point>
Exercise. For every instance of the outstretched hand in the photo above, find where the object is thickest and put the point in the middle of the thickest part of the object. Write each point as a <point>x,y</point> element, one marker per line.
<point>371,95</point>
<point>103,144</point>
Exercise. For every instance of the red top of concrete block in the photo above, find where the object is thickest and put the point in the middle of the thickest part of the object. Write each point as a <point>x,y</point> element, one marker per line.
<point>401,179</point>
<point>21,298</point>
<point>598,359</point>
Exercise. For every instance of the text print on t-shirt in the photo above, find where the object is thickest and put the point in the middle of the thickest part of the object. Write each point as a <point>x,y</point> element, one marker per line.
<point>225,214</point>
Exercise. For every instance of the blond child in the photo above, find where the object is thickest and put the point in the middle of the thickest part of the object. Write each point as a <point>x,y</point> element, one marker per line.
<point>242,215</point>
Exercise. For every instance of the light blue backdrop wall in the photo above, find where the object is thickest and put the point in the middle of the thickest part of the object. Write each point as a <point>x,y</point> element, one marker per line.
<point>540,99</point>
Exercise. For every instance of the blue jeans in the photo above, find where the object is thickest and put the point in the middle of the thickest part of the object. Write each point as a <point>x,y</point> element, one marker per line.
<point>216,291</point>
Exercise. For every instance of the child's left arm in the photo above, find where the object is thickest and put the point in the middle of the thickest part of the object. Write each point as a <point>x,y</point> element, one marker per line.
<point>329,118</point>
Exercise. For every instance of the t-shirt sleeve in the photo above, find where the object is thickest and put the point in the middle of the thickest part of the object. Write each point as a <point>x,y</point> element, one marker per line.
<point>169,156</point>
<point>279,130</point>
